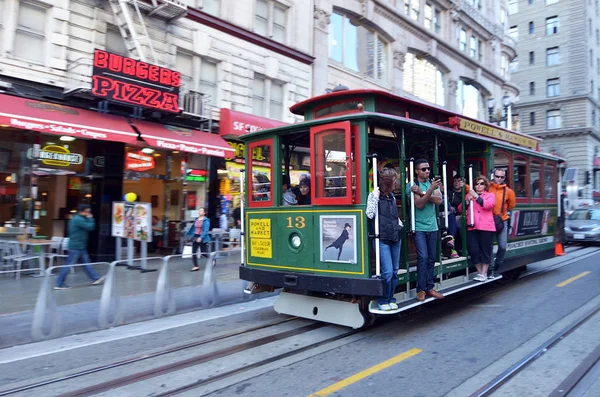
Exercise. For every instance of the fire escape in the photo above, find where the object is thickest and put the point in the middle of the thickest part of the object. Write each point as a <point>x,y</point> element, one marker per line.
<point>130,18</point>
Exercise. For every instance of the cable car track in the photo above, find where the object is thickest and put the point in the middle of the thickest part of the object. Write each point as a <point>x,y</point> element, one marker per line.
<point>203,358</point>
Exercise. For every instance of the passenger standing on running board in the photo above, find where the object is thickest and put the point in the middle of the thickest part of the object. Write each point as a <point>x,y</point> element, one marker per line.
<point>427,196</point>
<point>383,205</point>
<point>505,201</point>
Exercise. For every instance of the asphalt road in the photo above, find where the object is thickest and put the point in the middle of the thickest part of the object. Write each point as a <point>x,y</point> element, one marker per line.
<point>446,345</point>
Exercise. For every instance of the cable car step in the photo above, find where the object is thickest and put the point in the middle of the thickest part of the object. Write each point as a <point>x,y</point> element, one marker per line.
<point>413,302</point>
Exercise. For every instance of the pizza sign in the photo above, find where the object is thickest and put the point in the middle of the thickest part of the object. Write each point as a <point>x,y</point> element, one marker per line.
<point>138,161</point>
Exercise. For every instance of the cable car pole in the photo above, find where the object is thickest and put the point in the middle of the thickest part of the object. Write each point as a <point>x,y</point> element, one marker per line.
<point>412,195</point>
<point>376,186</point>
<point>471,209</point>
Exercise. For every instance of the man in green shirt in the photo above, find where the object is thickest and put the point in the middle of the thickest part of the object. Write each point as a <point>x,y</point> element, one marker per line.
<point>427,196</point>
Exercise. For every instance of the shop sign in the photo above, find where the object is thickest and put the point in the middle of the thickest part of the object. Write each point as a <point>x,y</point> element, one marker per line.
<point>530,222</point>
<point>137,83</point>
<point>196,175</point>
<point>132,220</point>
<point>239,123</point>
<point>258,158</point>
<point>57,156</point>
<point>138,161</point>
<point>492,132</point>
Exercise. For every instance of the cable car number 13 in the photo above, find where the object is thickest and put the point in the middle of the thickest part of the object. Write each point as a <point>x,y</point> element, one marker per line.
<point>300,222</point>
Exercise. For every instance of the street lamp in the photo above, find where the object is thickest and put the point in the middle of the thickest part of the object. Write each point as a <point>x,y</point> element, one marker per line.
<point>506,103</point>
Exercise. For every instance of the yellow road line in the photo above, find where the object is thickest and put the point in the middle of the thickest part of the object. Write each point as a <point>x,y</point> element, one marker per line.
<point>367,372</point>
<point>569,281</point>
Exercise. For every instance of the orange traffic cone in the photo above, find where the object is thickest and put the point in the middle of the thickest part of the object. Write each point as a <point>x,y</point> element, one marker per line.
<point>558,249</point>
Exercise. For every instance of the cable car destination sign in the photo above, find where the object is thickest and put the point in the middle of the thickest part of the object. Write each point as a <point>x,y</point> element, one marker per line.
<point>133,82</point>
<point>492,132</point>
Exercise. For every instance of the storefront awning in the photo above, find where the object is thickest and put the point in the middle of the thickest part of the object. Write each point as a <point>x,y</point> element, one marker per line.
<point>52,118</point>
<point>183,139</point>
<point>235,123</point>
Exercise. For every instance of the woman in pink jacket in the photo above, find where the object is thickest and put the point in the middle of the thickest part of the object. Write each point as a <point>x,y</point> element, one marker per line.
<point>480,236</point>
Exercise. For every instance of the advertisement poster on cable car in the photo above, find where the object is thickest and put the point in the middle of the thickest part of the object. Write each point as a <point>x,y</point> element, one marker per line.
<point>527,223</point>
<point>338,238</point>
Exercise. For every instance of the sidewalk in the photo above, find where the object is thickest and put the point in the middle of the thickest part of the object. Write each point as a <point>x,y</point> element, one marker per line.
<point>78,307</point>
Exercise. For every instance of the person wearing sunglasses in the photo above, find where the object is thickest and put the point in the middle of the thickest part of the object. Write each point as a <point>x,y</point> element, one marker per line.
<point>427,196</point>
<point>505,202</point>
<point>480,233</point>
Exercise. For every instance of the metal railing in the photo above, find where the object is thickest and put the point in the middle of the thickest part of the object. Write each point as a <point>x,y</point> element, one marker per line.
<point>47,322</point>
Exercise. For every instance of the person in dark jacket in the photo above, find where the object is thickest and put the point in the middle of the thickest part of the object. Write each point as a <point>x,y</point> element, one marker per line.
<point>339,242</point>
<point>198,232</point>
<point>382,203</point>
<point>80,226</point>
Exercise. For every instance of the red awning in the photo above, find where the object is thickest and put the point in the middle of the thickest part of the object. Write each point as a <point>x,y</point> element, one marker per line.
<point>183,139</point>
<point>235,123</point>
<point>52,118</point>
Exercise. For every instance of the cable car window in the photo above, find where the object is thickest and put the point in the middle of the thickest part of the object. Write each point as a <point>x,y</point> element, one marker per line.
<point>550,181</point>
<point>332,163</point>
<point>260,173</point>
<point>519,176</point>
<point>536,178</point>
<point>339,108</point>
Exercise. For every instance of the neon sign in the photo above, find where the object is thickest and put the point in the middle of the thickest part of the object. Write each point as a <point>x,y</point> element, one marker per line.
<point>136,83</point>
<point>57,156</point>
<point>196,175</point>
<point>137,161</point>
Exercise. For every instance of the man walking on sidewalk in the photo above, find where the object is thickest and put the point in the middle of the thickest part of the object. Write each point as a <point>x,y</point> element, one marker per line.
<point>80,226</point>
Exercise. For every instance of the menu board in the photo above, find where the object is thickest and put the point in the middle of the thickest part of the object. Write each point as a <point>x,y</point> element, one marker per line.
<point>132,220</point>
<point>143,222</point>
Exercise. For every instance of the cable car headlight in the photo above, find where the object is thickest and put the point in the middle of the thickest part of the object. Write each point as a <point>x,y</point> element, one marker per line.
<point>296,241</point>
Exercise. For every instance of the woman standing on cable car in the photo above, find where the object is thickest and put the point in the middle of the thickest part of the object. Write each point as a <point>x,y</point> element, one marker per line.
<point>383,204</point>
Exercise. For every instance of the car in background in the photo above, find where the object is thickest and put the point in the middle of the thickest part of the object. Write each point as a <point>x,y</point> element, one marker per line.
<point>583,226</point>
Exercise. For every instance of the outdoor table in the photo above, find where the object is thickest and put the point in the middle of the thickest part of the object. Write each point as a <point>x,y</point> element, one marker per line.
<point>31,243</point>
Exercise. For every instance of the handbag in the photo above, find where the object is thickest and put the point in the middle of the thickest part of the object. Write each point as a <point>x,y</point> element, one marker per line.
<point>187,252</point>
<point>498,218</point>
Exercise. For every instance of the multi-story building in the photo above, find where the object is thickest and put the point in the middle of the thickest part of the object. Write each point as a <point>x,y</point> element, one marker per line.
<point>558,74</point>
<point>82,126</point>
<point>452,53</point>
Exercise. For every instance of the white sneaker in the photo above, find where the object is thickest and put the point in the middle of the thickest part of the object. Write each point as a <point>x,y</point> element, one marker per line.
<point>480,277</point>
<point>385,307</point>
<point>393,306</point>
<point>99,281</point>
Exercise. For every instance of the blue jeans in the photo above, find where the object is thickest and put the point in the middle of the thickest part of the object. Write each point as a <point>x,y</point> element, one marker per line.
<point>73,257</point>
<point>502,239</point>
<point>426,245</point>
<point>389,259</point>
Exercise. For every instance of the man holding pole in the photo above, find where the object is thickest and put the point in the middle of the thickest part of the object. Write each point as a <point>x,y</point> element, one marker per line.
<point>426,196</point>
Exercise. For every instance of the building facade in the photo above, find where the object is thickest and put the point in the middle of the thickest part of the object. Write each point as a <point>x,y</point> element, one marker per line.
<point>558,74</point>
<point>237,55</point>
<point>454,54</point>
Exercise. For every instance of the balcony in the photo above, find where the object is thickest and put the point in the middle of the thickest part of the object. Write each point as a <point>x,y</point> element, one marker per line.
<point>79,77</point>
<point>168,10</point>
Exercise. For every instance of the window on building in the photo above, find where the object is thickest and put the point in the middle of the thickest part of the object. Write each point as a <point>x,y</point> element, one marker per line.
<point>462,40</point>
<point>473,47</point>
<point>212,7</point>
<point>532,88</point>
<point>476,3</point>
<point>531,118</point>
<point>552,56</point>
<point>114,41</point>
<point>593,117</point>
<point>503,65</point>
<point>553,87</point>
<point>513,7</point>
<point>198,81</point>
<point>598,66</point>
<point>513,32</point>
<point>531,27</point>
<point>208,81</point>
<point>30,34</point>
<point>503,19</point>
<point>520,176</point>
<point>551,25</point>
<point>514,65</point>
<point>415,6</point>
<point>530,1</point>
<point>424,80</point>
<point>553,120</point>
<point>468,100</point>
<point>590,27</point>
<point>185,66</point>
<point>432,18</point>
<point>270,20</point>
<point>531,57</point>
<point>357,47</point>
<point>267,97</point>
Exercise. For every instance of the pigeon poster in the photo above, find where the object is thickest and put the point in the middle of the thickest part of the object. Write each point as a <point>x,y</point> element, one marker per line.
<point>338,238</point>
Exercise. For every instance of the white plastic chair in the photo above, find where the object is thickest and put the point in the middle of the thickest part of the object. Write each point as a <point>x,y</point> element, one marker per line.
<point>19,257</point>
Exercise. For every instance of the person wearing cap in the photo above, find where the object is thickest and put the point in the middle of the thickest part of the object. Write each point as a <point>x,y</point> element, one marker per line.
<point>303,196</point>
<point>80,226</point>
